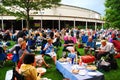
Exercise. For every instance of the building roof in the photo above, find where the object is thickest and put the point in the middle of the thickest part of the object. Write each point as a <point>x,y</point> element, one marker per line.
<point>81,8</point>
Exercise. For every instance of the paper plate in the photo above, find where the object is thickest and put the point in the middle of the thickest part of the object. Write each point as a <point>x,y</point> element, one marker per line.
<point>75,71</point>
<point>91,67</point>
<point>92,73</point>
<point>81,67</point>
<point>41,70</point>
<point>82,72</point>
<point>62,59</point>
<point>44,79</point>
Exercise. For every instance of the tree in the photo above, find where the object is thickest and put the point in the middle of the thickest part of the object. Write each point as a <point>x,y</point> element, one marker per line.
<point>21,8</point>
<point>112,13</point>
<point>2,11</point>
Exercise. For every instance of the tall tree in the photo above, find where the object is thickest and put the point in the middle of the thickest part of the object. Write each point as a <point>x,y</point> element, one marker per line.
<point>22,8</point>
<point>113,13</point>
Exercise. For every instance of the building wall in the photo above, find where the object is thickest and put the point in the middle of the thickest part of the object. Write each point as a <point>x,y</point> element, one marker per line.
<point>66,10</point>
<point>64,14</point>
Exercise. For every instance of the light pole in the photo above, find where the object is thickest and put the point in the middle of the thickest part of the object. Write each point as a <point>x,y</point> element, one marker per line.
<point>41,13</point>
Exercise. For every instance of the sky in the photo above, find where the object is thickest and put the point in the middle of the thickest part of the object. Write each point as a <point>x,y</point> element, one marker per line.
<point>96,5</point>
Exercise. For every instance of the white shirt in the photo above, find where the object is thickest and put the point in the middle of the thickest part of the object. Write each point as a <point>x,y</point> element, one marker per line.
<point>108,47</point>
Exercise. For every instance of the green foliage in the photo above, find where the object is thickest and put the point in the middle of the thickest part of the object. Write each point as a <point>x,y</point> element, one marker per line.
<point>21,8</point>
<point>2,10</point>
<point>112,13</point>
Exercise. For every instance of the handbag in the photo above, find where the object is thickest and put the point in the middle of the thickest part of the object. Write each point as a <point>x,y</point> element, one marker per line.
<point>104,65</point>
<point>16,75</point>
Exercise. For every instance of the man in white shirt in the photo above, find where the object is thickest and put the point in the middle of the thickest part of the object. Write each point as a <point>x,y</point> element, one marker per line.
<point>105,48</point>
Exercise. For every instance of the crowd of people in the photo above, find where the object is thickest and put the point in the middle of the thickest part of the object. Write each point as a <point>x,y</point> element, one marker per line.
<point>50,39</point>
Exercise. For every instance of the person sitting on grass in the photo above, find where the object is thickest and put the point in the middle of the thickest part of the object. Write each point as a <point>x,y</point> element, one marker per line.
<point>68,46</point>
<point>31,43</point>
<point>39,59</point>
<point>116,44</point>
<point>49,50</point>
<point>28,68</point>
<point>105,48</point>
<point>15,50</point>
<point>90,45</point>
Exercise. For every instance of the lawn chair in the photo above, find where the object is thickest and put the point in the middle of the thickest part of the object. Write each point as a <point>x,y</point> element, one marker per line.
<point>3,57</point>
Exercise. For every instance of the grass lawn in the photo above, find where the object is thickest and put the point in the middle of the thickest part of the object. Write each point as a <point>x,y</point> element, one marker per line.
<point>53,74</point>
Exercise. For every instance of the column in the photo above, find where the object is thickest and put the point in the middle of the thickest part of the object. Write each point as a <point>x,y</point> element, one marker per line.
<point>74,23</point>
<point>22,24</point>
<point>53,24</point>
<point>41,13</point>
<point>95,26</point>
<point>102,25</point>
<point>59,22</point>
<point>41,21</point>
<point>86,25</point>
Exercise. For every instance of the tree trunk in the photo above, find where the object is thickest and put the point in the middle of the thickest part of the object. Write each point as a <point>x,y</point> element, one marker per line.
<point>28,20</point>
<point>28,16</point>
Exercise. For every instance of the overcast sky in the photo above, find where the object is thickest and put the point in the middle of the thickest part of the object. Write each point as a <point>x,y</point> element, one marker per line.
<point>96,5</point>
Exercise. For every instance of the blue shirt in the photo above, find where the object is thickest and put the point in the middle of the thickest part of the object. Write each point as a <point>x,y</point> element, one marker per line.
<point>90,44</point>
<point>49,49</point>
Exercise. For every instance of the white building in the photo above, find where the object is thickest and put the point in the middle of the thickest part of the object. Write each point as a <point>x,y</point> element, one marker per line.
<point>59,17</point>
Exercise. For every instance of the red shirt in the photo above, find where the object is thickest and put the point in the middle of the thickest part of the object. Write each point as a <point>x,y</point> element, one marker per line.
<point>116,44</point>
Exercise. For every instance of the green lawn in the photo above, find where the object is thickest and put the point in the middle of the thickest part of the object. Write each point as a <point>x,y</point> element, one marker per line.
<point>53,74</point>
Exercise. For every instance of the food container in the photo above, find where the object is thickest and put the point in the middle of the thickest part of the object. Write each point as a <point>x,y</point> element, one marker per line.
<point>41,70</point>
